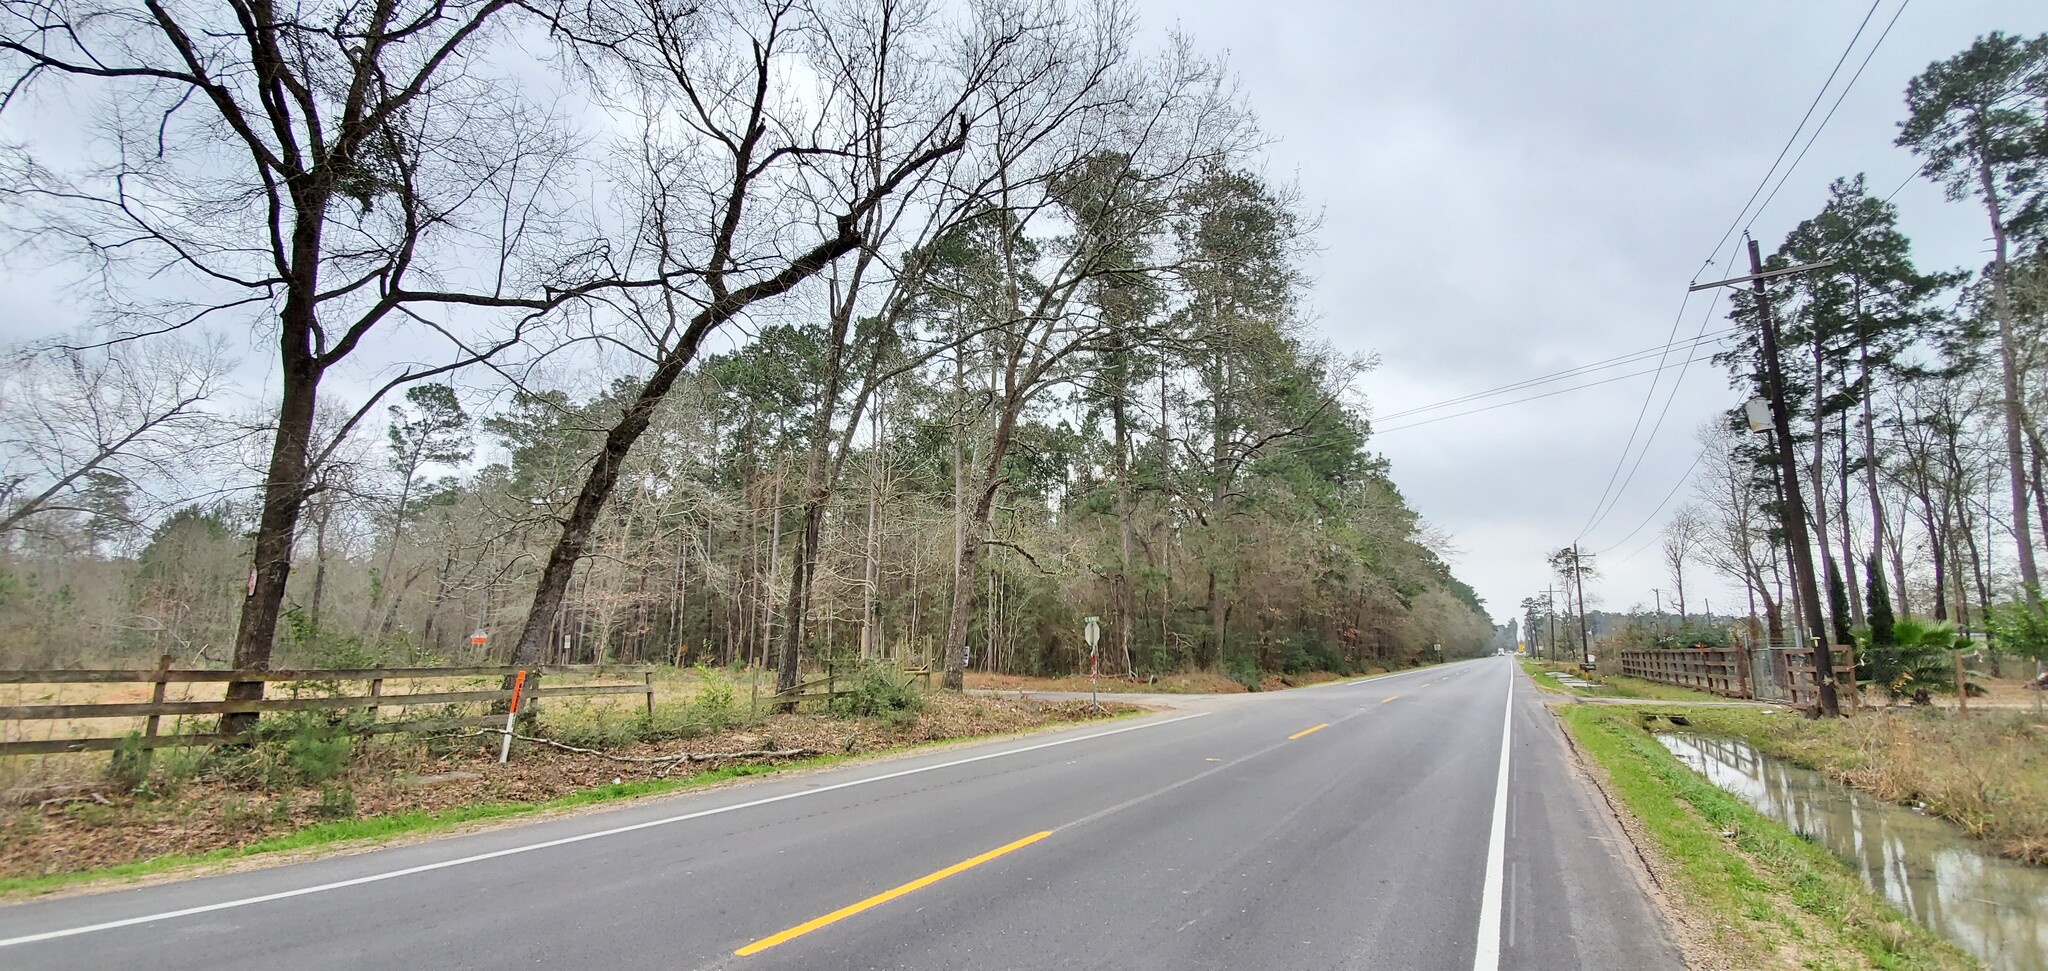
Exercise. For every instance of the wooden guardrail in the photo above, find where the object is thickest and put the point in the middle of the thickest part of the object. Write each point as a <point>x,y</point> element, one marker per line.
<point>373,700</point>
<point>1721,671</point>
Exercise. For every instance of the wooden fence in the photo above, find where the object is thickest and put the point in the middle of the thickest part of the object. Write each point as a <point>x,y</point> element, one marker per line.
<point>331,698</point>
<point>1728,672</point>
<point>1724,672</point>
<point>1803,679</point>
<point>837,681</point>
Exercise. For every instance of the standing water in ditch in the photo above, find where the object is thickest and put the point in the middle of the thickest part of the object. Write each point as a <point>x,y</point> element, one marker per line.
<point>1997,909</point>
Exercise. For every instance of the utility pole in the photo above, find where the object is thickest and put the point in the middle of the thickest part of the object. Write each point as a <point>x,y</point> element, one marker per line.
<point>1585,633</point>
<point>1793,506</point>
<point>1550,618</point>
<point>1659,594</point>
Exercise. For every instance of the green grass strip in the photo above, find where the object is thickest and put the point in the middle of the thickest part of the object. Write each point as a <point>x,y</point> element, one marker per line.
<point>1744,883</point>
<point>1544,678</point>
<point>400,824</point>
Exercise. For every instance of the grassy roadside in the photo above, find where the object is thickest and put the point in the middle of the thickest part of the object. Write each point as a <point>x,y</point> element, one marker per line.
<point>1756,893</point>
<point>1987,774</point>
<point>1613,685</point>
<point>1544,678</point>
<point>129,837</point>
<point>376,828</point>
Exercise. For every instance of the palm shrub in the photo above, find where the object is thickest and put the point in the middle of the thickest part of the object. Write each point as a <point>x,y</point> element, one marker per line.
<point>1916,662</point>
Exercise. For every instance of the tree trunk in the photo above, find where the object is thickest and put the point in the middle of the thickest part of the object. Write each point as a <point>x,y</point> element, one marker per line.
<point>578,528</point>
<point>967,552</point>
<point>320,561</point>
<point>284,492</point>
<point>2015,457</point>
<point>1126,605</point>
<point>1849,557</point>
<point>1879,530</point>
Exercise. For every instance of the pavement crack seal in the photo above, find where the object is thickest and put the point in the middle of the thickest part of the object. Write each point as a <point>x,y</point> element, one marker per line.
<point>886,896</point>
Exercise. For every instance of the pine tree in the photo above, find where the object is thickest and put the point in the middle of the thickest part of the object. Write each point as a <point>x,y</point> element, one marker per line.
<point>1880,605</point>
<point>1838,604</point>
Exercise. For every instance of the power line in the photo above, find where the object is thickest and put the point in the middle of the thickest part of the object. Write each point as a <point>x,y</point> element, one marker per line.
<point>1607,490</point>
<point>1682,480</point>
<point>1535,397</point>
<point>1796,129</point>
<point>1582,369</point>
<point>1839,98</point>
<point>1603,507</point>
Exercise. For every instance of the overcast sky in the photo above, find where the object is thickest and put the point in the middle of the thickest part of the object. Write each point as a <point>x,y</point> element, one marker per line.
<point>1510,190</point>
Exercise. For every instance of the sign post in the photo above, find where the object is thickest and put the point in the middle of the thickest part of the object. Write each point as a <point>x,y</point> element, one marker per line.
<point>1093,632</point>
<point>511,712</point>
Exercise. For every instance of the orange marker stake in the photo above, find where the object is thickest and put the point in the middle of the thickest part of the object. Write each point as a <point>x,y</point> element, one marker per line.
<point>511,712</point>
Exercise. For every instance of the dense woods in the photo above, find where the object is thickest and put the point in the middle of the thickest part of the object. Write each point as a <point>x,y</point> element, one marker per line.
<point>747,332</point>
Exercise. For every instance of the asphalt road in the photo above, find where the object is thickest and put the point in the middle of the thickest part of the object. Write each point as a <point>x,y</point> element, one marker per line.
<point>1352,825</point>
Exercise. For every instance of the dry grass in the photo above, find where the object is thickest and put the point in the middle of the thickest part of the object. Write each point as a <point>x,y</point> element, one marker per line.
<point>196,802</point>
<point>673,688</point>
<point>1988,774</point>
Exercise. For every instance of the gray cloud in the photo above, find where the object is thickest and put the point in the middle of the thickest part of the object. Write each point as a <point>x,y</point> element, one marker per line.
<point>1513,189</point>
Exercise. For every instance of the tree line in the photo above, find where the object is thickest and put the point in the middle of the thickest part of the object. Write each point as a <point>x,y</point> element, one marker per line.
<point>749,331</point>
<point>1916,394</point>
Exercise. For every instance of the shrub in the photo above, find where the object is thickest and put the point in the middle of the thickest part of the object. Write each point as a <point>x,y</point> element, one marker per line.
<point>716,705</point>
<point>336,802</point>
<point>876,694</point>
<point>1242,669</point>
<point>128,764</point>
<point>1916,662</point>
<point>299,747</point>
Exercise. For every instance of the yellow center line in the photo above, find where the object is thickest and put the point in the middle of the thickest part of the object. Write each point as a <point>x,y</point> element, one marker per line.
<point>1388,698</point>
<point>1308,731</point>
<point>886,896</point>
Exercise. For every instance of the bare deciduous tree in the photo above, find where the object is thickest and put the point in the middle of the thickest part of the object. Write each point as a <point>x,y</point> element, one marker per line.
<point>136,414</point>
<point>340,169</point>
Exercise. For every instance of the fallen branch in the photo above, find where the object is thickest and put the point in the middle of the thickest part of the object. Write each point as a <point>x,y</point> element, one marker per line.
<point>65,800</point>
<point>666,760</point>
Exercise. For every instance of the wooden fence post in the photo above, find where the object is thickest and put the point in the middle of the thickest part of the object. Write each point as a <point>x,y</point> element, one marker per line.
<point>650,696</point>
<point>1855,692</point>
<point>376,692</point>
<point>1962,688</point>
<point>529,705</point>
<point>156,696</point>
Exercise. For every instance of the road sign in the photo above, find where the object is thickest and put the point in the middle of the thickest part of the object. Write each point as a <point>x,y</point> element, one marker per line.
<point>1092,630</point>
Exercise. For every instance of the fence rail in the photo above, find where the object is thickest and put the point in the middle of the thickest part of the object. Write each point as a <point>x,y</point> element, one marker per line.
<point>374,700</point>
<point>1730,673</point>
<point>1718,671</point>
<point>838,680</point>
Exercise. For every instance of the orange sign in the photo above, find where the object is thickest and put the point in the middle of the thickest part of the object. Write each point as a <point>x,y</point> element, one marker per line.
<point>518,685</point>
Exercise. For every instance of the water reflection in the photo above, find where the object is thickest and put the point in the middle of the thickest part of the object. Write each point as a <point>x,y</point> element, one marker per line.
<point>1989,906</point>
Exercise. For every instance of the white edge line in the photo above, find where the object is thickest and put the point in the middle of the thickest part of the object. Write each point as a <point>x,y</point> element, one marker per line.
<point>563,841</point>
<point>1486,957</point>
